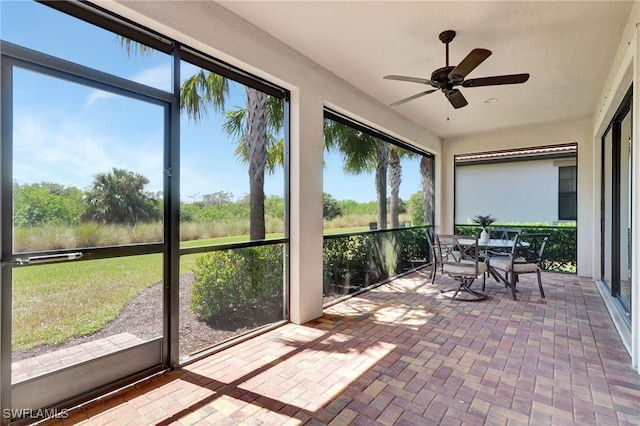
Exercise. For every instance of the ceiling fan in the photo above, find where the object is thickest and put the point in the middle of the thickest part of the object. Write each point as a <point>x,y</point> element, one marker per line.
<point>448,77</point>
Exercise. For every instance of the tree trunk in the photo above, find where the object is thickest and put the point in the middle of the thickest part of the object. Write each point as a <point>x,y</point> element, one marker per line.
<point>395,178</point>
<point>256,140</point>
<point>381,183</point>
<point>427,188</point>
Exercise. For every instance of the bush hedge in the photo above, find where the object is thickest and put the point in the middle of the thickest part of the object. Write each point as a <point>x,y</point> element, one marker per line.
<point>227,282</point>
<point>354,261</point>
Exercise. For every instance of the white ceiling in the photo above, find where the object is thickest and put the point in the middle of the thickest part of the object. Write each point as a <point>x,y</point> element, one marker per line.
<point>566,47</point>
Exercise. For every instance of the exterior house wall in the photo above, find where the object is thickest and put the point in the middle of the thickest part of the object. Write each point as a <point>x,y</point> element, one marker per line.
<point>579,132</point>
<point>214,30</point>
<point>515,191</point>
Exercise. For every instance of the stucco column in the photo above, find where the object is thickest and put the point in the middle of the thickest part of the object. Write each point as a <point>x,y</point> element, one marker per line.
<point>445,169</point>
<point>306,150</point>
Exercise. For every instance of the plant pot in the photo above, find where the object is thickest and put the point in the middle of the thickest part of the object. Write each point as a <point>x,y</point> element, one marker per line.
<point>484,236</point>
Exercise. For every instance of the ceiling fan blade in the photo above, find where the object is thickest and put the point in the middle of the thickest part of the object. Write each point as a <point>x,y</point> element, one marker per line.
<point>410,79</point>
<point>410,98</point>
<point>468,64</point>
<point>496,80</point>
<point>456,99</point>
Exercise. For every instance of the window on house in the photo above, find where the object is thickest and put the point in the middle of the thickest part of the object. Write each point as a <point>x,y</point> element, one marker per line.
<point>567,193</point>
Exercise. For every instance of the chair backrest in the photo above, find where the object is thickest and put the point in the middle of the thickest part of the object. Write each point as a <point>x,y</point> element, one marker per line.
<point>458,248</point>
<point>529,248</point>
<point>505,234</point>
<point>432,243</point>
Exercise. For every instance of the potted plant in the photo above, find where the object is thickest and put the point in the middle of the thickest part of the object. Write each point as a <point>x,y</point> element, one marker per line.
<point>484,222</point>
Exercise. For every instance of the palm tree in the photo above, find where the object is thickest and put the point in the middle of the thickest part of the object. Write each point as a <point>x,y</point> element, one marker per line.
<point>206,90</point>
<point>426,167</point>
<point>201,91</point>
<point>395,178</point>
<point>118,197</point>
<point>362,153</point>
<point>256,127</point>
<point>382,164</point>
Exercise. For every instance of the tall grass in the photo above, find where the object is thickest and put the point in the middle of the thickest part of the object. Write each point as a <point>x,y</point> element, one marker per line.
<point>55,237</point>
<point>358,220</point>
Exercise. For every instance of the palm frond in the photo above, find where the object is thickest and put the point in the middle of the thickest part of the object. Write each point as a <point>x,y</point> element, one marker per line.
<point>483,221</point>
<point>202,91</point>
<point>234,123</point>
<point>133,48</point>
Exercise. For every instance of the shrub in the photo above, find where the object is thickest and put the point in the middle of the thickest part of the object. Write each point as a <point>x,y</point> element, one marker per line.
<point>46,203</point>
<point>330,209</point>
<point>414,245</point>
<point>345,255</point>
<point>232,281</point>
<point>416,209</point>
<point>355,261</point>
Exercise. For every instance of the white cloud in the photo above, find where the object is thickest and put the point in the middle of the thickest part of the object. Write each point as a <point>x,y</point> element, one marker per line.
<point>72,154</point>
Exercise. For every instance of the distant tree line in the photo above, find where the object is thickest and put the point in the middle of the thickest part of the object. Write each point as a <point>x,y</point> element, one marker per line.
<point>115,197</point>
<point>333,208</point>
<point>119,197</point>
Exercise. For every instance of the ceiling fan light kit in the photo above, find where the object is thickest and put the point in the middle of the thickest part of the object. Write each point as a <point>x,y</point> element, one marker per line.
<point>448,77</point>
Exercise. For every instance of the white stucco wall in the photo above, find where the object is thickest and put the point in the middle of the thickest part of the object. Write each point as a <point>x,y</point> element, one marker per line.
<point>208,27</point>
<point>516,191</point>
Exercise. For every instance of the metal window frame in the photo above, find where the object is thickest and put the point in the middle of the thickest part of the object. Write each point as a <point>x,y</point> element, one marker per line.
<point>615,128</point>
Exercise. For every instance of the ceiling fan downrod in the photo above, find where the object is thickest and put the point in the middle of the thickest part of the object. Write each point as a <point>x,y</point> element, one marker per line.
<point>447,37</point>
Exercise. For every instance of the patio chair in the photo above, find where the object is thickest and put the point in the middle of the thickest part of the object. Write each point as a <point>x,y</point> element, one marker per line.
<point>436,258</point>
<point>503,234</point>
<point>506,234</point>
<point>461,262</point>
<point>437,255</point>
<point>525,258</point>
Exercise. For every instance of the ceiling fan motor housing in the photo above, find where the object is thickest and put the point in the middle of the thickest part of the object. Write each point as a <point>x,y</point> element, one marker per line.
<point>441,76</point>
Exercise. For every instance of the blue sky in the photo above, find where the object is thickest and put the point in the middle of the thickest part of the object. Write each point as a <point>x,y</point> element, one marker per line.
<point>67,133</point>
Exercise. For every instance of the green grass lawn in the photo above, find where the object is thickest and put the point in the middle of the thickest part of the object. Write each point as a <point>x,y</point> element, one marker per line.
<point>331,231</point>
<point>54,302</point>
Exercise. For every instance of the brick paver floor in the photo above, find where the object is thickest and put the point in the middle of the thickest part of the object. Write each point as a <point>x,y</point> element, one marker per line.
<point>402,354</point>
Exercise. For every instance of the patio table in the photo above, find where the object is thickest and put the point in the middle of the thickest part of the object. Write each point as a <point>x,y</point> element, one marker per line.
<point>492,243</point>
